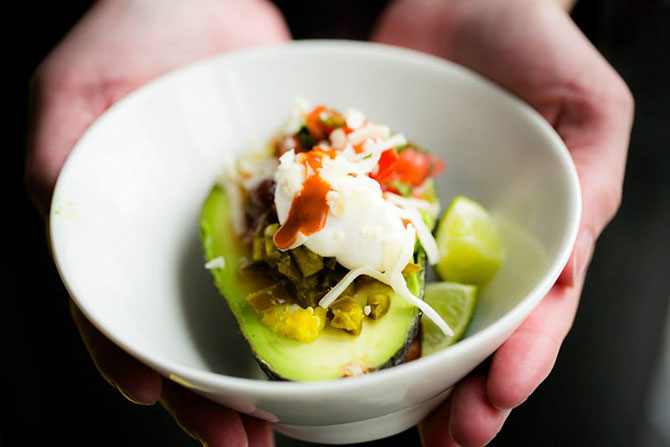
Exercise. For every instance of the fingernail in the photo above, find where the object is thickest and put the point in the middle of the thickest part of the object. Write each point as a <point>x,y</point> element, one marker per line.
<point>583,253</point>
<point>575,272</point>
<point>421,440</point>
<point>127,395</point>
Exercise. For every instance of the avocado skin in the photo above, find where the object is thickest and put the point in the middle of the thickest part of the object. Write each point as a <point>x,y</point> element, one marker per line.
<point>400,357</point>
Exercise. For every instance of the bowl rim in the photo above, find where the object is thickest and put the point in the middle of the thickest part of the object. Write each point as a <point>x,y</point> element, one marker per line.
<point>199,379</point>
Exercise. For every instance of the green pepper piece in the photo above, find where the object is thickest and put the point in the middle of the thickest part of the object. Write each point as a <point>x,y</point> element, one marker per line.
<point>268,297</point>
<point>269,231</point>
<point>379,304</point>
<point>287,267</point>
<point>258,249</point>
<point>308,262</point>
<point>347,315</point>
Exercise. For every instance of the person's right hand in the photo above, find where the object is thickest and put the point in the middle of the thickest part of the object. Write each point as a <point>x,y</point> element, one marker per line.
<point>533,49</point>
<point>116,47</point>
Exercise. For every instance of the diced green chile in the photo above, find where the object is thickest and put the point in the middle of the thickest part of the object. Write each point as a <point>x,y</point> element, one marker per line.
<point>306,140</point>
<point>268,297</point>
<point>330,263</point>
<point>379,305</point>
<point>347,315</point>
<point>288,268</point>
<point>270,230</point>
<point>308,262</point>
<point>308,291</point>
<point>258,249</point>
<point>334,121</point>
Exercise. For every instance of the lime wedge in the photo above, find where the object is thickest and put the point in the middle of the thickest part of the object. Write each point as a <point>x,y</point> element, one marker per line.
<point>455,303</point>
<point>470,250</point>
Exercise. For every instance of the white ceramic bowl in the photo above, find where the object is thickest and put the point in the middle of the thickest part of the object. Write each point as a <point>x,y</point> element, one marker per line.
<point>124,220</point>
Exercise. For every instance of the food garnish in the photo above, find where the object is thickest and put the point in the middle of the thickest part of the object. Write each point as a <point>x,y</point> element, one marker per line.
<point>320,242</point>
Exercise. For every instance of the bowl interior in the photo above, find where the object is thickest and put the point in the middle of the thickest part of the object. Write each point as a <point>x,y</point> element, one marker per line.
<point>124,219</point>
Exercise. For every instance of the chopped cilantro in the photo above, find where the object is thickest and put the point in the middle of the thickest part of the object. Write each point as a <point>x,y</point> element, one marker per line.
<point>305,139</point>
<point>413,146</point>
<point>403,188</point>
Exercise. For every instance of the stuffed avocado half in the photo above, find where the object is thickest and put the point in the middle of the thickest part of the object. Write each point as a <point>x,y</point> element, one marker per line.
<point>319,243</point>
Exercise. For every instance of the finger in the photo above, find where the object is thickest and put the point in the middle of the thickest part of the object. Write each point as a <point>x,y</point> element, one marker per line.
<point>259,433</point>
<point>474,420</point>
<point>59,116</point>
<point>208,422</point>
<point>527,357</point>
<point>434,431</point>
<point>569,275</point>
<point>416,24</point>
<point>134,380</point>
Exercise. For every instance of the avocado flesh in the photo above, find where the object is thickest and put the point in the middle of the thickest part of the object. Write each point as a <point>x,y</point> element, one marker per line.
<point>334,353</point>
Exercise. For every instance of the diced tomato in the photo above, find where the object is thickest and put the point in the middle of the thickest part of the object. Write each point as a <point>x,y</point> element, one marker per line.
<point>388,162</point>
<point>437,165</point>
<point>408,168</point>
<point>321,121</point>
<point>314,123</point>
<point>414,167</point>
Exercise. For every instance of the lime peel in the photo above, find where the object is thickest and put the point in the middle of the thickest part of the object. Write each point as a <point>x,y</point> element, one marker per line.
<point>468,242</point>
<point>455,303</point>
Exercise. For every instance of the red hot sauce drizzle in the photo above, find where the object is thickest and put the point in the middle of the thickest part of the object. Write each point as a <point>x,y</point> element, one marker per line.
<point>309,208</point>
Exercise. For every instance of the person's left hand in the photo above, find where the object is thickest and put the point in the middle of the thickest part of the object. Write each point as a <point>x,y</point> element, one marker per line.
<point>532,48</point>
<point>116,47</point>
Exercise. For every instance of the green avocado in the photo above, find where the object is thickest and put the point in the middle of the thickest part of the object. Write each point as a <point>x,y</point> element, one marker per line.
<point>334,353</point>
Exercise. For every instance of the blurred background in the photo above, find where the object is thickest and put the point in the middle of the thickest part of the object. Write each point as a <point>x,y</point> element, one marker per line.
<point>611,383</point>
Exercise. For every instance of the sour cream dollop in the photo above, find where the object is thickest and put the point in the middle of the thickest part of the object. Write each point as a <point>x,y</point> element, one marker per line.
<point>362,228</point>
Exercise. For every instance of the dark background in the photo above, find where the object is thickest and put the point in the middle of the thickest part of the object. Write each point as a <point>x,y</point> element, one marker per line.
<point>598,393</point>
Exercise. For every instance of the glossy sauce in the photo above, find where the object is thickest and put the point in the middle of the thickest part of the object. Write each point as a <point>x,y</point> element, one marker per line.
<point>309,208</point>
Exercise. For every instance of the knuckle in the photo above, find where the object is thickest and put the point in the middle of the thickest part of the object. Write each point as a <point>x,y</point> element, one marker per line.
<point>50,77</point>
<point>609,194</point>
<point>38,80</point>
<point>617,96</point>
<point>622,97</point>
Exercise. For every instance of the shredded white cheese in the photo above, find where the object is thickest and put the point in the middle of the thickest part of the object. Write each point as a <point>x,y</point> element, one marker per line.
<point>412,202</point>
<point>253,172</point>
<point>354,118</point>
<point>410,207</point>
<point>217,263</point>
<point>396,140</point>
<point>296,119</point>
<point>337,290</point>
<point>425,236</point>
<point>230,182</point>
<point>369,131</point>
<point>400,287</point>
<point>338,139</point>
